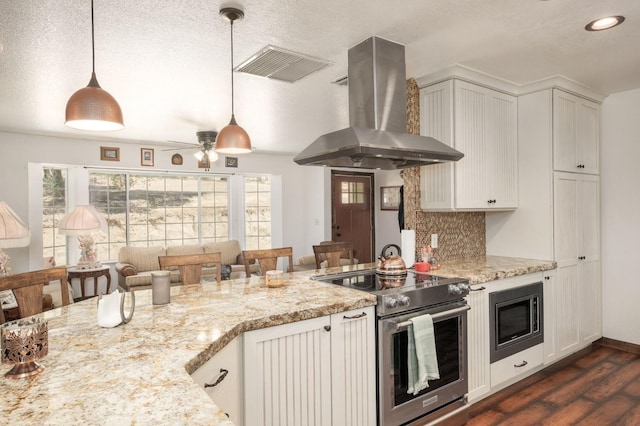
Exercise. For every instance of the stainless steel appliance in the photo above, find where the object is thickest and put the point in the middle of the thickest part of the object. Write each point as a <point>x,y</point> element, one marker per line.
<point>377,137</point>
<point>401,298</point>
<point>515,320</point>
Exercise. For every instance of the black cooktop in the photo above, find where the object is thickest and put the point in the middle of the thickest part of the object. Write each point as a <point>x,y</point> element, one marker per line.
<point>401,293</point>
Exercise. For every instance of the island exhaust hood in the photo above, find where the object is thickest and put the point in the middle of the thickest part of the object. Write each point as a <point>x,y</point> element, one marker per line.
<point>377,137</point>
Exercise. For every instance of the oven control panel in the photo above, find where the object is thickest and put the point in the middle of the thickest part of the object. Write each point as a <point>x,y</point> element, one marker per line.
<point>394,302</point>
<point>397,301</point>
<point>459,289</point>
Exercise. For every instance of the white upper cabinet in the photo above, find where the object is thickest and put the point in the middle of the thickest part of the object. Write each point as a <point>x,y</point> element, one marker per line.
<point>576,133</point>
<point>482,124</point>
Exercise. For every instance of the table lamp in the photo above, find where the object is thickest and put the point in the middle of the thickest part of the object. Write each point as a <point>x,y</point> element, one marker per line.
<point>82,221</point>
<point>13,233</point>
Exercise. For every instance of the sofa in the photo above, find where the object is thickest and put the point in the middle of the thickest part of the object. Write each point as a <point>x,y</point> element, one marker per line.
<point>135,264</point>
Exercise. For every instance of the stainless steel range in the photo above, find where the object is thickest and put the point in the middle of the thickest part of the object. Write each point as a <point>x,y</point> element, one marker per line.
<point>401,298</point>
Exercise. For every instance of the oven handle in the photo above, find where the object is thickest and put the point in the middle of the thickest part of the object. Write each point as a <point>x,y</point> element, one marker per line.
<point>437,316</point>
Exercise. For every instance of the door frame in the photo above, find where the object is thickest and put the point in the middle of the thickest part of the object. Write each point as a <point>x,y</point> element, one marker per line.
<point>371,204</point>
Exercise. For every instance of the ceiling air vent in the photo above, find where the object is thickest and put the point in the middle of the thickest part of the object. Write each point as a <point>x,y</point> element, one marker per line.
<point>280,64</point>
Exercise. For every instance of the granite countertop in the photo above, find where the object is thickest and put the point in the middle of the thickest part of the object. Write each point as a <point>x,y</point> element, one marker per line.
<point>138,373</point>
<point>483,269</point>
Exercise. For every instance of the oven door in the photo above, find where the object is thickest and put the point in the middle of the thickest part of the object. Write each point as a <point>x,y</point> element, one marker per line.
<point>396,406</point>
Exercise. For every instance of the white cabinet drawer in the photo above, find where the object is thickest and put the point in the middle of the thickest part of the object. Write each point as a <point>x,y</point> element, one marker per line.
<point>227,394</point>
<point>516,365</point>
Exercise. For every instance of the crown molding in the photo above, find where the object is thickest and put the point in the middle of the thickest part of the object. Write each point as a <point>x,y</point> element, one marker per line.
<point>461,72</point>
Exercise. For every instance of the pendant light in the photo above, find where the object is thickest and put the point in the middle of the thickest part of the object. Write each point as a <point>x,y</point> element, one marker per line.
<point>232,139</point>
<point>92,108</point>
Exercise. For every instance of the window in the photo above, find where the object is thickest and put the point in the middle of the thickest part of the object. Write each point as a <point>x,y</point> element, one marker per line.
<point>157,209</point>
<point>257,203</point>
<point>107,194</point>
<point>54,205</point>
<point>162,209</point>
<point>352,192</point>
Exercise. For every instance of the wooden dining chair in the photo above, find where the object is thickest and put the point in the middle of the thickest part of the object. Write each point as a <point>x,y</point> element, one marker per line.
<point>267,259</point>
<point>28,289</point>
<point>332,252</point>
<point>190,265</point>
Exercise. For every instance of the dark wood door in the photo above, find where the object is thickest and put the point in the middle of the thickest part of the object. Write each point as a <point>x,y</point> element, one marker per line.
<point>352,212</point>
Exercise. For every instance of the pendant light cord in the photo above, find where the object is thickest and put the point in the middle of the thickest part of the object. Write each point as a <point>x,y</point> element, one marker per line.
<point>232,94</point>
<point>93,46</point>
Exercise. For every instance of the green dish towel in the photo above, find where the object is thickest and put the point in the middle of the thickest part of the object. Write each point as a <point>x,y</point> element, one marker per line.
<point>422,362</point>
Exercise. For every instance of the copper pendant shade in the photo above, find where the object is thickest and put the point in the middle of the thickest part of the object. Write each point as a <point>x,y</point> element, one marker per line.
<point>93,108</point>
<point>232,139</point>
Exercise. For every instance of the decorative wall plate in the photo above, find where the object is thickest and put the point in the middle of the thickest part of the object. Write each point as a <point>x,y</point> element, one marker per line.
<point>176,159</point>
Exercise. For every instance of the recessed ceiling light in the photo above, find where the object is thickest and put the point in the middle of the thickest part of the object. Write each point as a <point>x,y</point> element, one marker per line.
<point>604,23</point>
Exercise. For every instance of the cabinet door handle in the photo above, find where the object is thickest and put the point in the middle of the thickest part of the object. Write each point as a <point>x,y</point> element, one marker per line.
<point>521,364</point>
<point>478,289</point>
<point>364,314</point>
<point>223,374</point>
<point>327,328</point>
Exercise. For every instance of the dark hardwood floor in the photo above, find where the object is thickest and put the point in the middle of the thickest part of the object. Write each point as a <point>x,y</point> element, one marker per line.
<point>601,387</point>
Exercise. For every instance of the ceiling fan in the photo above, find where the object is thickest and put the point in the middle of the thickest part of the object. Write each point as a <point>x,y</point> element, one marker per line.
<point>207,141</point>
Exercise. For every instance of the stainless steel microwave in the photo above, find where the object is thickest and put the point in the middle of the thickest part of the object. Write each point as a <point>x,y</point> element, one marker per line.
<point>516,320</point>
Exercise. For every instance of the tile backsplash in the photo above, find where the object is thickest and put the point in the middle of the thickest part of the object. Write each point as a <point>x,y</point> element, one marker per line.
<point>460,234</point>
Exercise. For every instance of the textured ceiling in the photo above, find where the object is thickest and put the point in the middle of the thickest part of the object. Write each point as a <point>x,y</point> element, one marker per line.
<point>167,62</point>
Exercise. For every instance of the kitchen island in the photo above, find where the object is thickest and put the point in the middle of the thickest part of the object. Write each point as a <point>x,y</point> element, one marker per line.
<point>139,373</point>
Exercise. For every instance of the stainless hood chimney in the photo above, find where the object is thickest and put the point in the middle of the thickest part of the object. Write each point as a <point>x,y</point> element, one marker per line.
<point>377,137</point>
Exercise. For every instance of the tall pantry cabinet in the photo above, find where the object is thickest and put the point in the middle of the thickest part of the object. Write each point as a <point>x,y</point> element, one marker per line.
<point>559,212</point>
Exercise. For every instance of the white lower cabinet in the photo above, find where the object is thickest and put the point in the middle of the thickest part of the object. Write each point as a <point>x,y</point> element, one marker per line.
<point>319,371</point>
<point>221,378</point>
<point>515,367</point>
<point>485,377</point>
<point>590,301</point>
<point>478,343</point>
<point>353,368</point>
<point>549,307</point>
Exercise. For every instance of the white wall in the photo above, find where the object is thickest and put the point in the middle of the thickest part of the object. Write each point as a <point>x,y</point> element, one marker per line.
<point>620,215</point>
<point>386,221</point>
<point>305,200</point>
<point>303,220</point>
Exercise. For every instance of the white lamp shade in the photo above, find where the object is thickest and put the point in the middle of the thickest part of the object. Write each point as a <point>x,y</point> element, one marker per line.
<point>213,156</point>
<point>13,231</point>
<point>199,155</point>
<point>84,219</point>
